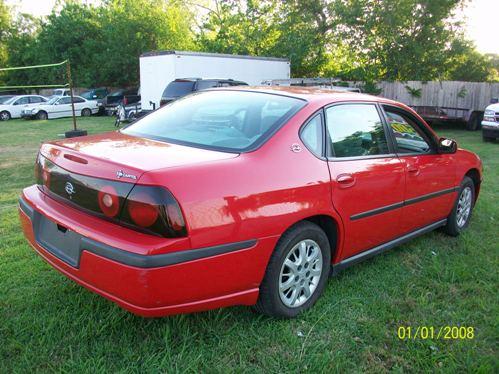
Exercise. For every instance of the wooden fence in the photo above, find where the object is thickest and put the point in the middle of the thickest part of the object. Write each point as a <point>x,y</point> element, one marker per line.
<point>473,96</point>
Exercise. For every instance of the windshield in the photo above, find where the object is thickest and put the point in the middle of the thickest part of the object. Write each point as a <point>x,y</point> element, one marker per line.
<point>4,99</point>
<point>11,100</point>
<point>52,100</point>
<point>223,120</point>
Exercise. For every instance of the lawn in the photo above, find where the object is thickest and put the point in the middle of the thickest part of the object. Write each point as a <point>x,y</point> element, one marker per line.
<point>49,323</point>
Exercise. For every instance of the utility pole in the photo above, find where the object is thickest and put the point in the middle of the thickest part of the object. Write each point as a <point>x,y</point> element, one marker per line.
<point>70,81</point>
<point>75,132</point>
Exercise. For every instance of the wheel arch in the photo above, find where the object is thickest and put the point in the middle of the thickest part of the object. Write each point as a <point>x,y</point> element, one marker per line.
<point>331,228</point>
<point>83,109</point>
<point>474,175</point>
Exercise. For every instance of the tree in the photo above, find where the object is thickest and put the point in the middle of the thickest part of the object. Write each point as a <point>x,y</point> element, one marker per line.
<point>132,27</point>
<point>4,31</point>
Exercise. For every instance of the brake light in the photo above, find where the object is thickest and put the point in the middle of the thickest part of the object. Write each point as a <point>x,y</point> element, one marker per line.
<point>143,210</point>
<point>109,202</point>
<point>155,210</point>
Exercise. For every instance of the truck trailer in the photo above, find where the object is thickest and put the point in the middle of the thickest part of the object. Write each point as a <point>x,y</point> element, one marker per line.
<point>157,69</point>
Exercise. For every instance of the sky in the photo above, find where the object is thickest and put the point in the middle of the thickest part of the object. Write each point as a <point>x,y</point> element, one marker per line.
<point>478,15</point>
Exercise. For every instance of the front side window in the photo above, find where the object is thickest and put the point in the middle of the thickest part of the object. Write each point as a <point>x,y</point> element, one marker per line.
<point>65,100</point>
<point>22,101</point>
<point>408,137</point>
<point>356,130</point>
<point>226,120</point>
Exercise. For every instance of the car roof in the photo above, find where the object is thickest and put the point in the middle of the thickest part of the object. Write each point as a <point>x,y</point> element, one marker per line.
<point>312,94</point>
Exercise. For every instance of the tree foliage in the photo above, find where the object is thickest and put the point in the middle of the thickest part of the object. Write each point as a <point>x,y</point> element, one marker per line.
<point>366,40</point>
<point>102,43</point>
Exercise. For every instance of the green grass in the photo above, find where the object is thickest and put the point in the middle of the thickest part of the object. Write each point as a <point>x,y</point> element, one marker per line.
<point>49,323</point>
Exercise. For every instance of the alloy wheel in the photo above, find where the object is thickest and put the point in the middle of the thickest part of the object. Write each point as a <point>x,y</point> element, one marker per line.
<point>300,273</point>
<point>464,206</point>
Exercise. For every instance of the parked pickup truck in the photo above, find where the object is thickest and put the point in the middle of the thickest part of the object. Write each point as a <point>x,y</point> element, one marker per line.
<point>123,96</point>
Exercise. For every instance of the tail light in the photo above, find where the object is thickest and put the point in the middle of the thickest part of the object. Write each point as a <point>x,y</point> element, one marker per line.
<point>109,202</point>
<point>150,209</point>
<point>154,210</point>
<point>42,172</point>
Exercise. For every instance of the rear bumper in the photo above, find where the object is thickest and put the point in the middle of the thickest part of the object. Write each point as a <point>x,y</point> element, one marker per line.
<point>159,284</point>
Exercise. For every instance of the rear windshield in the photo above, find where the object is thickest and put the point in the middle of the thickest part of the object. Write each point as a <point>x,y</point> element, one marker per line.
<point>178,89</point>
<point>224,120</point>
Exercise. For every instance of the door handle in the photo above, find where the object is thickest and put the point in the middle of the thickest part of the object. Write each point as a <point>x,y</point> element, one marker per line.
<point>414,170</point>
<point>345,180</point>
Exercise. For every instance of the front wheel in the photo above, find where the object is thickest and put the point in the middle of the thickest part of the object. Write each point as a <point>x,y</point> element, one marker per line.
<point>4,116</point>
<point>297,272</point>
<point>460,216</point>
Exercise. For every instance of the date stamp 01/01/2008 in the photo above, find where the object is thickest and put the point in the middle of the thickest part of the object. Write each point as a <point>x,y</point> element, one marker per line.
<point>432,332</point>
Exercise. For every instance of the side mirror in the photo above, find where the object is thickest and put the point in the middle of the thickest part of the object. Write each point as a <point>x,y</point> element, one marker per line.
<point>447,146</point>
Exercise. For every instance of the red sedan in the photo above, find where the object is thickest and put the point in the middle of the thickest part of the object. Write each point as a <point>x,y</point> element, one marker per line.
<point>243,196</point>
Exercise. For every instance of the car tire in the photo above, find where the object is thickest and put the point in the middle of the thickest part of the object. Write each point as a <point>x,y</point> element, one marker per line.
<point>86,112</point>
<point>306,247</point>
<point>474,122</point>
<point>4,116</point>
<point>42,115</point>
<point>459,219</point>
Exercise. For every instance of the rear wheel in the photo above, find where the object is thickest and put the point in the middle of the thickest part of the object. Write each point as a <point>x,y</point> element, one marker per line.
<point>4,116</point>
<point>86,112</point>
<point>297,272</point>
<point>41,115</point>
<point>460,216</point>
<point>474,123</point>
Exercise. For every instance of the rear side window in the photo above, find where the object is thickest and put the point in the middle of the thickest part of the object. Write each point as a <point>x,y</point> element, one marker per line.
<point>223,120</point>
<point>178,89</point>
<point>356,130</point>
<point>35,99</point>
<point>312,136</point>
<point>78,100</point>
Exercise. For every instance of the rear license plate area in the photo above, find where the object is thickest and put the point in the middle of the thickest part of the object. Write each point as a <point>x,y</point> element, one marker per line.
<point>58,240</point>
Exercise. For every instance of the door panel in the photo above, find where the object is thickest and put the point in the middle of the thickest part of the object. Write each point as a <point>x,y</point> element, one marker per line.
<point>368,180</point>
<point>429,191</point>
<point>377,184</point>
<point>430,177</point>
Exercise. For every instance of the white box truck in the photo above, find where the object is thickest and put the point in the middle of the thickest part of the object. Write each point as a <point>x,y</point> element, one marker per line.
<point>157,69</point>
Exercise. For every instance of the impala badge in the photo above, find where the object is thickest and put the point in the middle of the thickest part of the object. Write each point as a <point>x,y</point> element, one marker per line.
<point>70,189</point>
<point>122,174</point>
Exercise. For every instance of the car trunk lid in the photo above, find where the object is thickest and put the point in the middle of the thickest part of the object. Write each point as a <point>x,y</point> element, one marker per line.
<point>122,157</point>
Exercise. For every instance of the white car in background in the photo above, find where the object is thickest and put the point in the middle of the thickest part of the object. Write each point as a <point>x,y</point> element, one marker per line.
<point>490,123</point>
<point>13,107</point>
<point>60,106</point>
